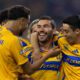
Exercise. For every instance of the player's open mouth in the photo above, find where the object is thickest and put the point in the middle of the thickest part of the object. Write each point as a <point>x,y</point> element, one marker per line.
<point>42,34</point>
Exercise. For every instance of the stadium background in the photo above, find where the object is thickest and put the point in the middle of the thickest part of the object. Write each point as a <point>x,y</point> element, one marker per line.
<point>58,9</point>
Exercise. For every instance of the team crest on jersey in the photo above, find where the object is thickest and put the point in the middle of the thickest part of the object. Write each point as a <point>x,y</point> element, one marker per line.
<point>65,46</point>
<point>23,53</point>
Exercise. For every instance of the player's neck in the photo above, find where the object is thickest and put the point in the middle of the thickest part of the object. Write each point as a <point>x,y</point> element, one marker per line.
<point>10,25</point>
<point>47,45</point>
<point>78,40</point>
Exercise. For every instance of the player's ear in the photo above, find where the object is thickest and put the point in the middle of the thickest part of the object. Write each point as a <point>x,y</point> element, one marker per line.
<point>77,31</point>
<point>20,20</point>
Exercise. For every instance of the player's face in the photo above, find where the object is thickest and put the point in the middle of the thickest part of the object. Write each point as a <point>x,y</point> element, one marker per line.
<point>34,28</point>
<point>68,33</point>
<point>24,25</point>
<point>44,30</point>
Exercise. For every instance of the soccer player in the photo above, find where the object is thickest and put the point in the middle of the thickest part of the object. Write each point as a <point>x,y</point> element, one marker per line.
<point>3,20</point>
<point>33,38</point>
<point>71,51</point>
<point>49,69</point>
<point>33,26</point>
<point>13,58</point>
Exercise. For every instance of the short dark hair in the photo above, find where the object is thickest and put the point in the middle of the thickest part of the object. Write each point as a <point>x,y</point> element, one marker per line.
<point>18,11</point>
<point>73,21</point>
<point>3,15</point>
<point>53,23</point>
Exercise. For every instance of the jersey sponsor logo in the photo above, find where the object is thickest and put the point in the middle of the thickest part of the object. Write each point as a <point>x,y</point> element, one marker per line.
<point>1,42</point>
<point>50,65</point>
<point>72,60</point>
<point>26,50</point>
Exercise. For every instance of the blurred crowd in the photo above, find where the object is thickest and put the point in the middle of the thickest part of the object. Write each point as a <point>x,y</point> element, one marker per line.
<point>57,9</point>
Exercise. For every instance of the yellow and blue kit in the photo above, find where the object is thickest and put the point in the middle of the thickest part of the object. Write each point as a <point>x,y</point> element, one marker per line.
<point>49,69</point>
<point>24,42</point>
<point>12,55</point>
<point>25,45</point>
<point>71,59</point>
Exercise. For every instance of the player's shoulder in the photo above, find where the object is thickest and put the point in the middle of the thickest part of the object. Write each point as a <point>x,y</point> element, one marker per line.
<point>22,41</point>
<point>2,29</point>
<point>16,39</point>
<point>57,36</point>
<point>11,39</point>
<point>25,42</point>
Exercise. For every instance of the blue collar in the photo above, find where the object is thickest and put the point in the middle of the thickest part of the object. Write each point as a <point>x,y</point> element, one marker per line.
<point>9,29</point>
<point>44,50</point>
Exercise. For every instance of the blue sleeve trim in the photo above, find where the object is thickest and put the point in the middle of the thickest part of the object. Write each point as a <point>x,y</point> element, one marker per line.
<point>24,44</point>
<point>63,77</point>
<point>56,43</point>
<point>60,37</point>
<point>72,60</point>
<point>29,56</point>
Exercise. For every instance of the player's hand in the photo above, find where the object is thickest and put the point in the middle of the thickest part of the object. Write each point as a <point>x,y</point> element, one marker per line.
<point>23,77</point>
<point>35,45</point>
<point>54,52</point>
<point>34,40</point>
<point>34,36</point>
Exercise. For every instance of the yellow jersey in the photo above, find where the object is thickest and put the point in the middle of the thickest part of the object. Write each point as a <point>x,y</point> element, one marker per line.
<point>49,69</point>
<point>25,45</point>
<point>71,59</point>
<point>11,55</point>
<point>24,42</point>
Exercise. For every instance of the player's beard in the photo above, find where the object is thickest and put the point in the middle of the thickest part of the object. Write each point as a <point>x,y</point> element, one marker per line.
<point>49,36</point>
<point>21,32</point>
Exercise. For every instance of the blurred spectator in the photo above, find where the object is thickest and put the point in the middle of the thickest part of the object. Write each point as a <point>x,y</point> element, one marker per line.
<point>58,9</point>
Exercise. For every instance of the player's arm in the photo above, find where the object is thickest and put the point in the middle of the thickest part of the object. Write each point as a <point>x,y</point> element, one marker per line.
<point>21,57</point>
<point>30,68</point>
<point>63,43</point>
<point>25,77</point>
<point>35,45</point>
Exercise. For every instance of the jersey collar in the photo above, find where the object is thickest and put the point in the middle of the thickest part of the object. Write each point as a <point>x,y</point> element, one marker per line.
<point>9,29</point>
<point>44,50</point>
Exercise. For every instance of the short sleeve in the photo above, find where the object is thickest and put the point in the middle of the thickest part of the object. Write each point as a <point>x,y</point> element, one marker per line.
<point>63,43</point>
<point>18,52</point>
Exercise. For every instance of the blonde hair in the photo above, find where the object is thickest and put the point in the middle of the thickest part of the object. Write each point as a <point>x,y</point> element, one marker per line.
<point>33,23</point>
